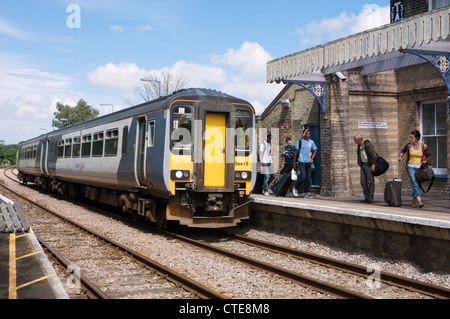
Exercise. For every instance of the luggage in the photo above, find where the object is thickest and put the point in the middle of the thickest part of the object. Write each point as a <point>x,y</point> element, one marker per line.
<point>258,189</point>
<point>424,174</point>
<point>393,191</point>
<point>381,166</point>
<point>281,186</point>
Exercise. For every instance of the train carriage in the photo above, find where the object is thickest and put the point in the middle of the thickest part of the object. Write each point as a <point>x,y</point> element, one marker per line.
<point>189,157</point>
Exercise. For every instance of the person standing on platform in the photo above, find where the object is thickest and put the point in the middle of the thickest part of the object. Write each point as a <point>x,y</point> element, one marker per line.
<point>267,169</point>
<point>418,153</point>
<point>288,154</point>
<point>367,157</point>
<point>305,151</point>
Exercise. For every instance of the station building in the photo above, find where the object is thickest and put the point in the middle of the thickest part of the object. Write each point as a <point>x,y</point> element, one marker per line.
<point>382,83</point>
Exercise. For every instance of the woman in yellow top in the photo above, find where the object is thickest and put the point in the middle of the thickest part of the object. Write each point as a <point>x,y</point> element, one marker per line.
<point>417,153</point>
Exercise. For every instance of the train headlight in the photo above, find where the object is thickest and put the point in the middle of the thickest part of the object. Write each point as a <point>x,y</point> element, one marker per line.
<point>180,174</point>
<point>242,175</point>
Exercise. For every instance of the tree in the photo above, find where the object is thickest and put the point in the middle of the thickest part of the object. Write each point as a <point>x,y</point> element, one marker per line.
<point>148,90</point>
<point>7,154</point>
<point>66,115</point>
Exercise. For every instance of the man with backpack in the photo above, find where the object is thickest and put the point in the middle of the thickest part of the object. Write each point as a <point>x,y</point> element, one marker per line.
<point>367,157</point>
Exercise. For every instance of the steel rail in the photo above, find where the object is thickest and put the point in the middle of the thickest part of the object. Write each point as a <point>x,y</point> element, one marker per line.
<point>309,282</point>
<point>388,278</point>
<point>178,279</point>
<point>92,290</point>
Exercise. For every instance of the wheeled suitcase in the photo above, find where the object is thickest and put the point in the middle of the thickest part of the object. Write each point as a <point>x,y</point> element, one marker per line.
<point>393,191</point>
<point>258,189</point>
<point>281,186</point>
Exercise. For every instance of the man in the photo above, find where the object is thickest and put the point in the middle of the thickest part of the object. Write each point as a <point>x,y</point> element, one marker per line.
<point>267,169</point>
<point>367,157</point>
<point>288,154</point>
<point>305,152</point>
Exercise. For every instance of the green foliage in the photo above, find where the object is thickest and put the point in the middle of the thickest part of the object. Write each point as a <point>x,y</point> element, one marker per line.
<point>66,115</point>
<point>7,154</point>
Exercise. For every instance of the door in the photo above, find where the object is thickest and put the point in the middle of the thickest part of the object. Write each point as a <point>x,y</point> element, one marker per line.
<point>140,151</point>
<point>215,151</point>
<point>315,136</point>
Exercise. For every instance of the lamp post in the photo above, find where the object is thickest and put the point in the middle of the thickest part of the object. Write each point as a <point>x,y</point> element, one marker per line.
<point>159,85</point>
<point>112,106</point>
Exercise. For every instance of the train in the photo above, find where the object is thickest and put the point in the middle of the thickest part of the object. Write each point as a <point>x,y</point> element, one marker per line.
<point>188,157</point>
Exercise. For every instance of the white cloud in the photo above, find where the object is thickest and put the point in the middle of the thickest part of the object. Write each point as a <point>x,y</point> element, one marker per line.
<point>144,28</point>
<point>347,23</point>
<point>116,28</point>
<point>123,75</point>
<point>9,30</point>
<point>239,72</point>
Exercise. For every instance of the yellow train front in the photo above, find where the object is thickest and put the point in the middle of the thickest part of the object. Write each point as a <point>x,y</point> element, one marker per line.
<point>212,162</point>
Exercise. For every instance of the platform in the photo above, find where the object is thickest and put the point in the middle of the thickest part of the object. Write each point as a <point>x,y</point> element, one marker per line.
<point>25,271</point>
<point>420,235</point>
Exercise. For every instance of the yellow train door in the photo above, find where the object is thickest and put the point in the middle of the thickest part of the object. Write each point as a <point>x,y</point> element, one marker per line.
<point>214,153</point>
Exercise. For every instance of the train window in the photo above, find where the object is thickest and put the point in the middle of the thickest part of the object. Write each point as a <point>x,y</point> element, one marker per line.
<point>151,133</point>
<point>76,147</point>
<point>34,151</point>
<point>125,141</point>
<point>60,148</point>
<point>86,145</point>
<point>182,110</point>
<point>181,137</point>
<point>68,148</point>
<point>111,142</point>
<point>97,144</point>
<point>242,136</point>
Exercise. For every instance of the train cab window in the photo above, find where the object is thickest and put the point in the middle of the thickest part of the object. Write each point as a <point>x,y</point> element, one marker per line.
<point>76,148</point>
<point>97,144</point>
<point>68,148</point>
<point>242,137</point>
<point>86,145</point>
<point>151,133</point>
<point>181,137</point>
<point>111,142</point>
<point>124,141</point>
<point>60,148</point>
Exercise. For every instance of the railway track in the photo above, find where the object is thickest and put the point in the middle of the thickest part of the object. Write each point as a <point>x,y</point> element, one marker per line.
<point>115,271</point>
<point>322,286</point>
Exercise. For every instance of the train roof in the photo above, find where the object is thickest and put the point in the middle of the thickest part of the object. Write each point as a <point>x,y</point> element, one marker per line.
<point>151,106</point>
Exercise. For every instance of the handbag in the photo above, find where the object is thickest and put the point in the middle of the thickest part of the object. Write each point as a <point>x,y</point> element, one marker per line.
<point>381,166</point>
<point>424,174</point>
<point>293,175</point>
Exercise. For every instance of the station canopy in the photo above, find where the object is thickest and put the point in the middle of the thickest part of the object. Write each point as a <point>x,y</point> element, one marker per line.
<point>424,37</point>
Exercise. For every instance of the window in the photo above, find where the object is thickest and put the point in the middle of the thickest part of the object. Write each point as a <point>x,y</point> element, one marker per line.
<point>86,145</point>
<point>436,4</point>
<point>243,132</point>
<point>60,148</point>
<point>151,133</point>
<point>97,144</point>
<point>125,141</point>
<point>434,133</point>
<point>76,148</point>
<point>68,148</point>
<point>111,142</point>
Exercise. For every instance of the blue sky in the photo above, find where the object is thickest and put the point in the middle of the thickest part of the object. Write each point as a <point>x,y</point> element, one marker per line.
<point>49,53</point>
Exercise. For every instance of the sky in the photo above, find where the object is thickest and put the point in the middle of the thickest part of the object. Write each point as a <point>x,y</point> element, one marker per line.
<point>63,51</point>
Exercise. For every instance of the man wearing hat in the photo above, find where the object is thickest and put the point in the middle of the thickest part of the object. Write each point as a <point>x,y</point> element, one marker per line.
<point>267,169</point>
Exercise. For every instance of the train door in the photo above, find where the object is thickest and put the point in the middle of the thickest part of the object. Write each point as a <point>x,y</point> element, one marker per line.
<point>44,156</point>
<point>214,154</point>
<point>140,151</point>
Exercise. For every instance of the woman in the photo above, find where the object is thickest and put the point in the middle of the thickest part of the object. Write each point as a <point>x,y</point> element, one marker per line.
<point>418,153</point>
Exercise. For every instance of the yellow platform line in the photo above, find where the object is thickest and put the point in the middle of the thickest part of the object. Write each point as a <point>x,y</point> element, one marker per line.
<point>35,281</point>
<point>12,267</point>
<point>12,291</point>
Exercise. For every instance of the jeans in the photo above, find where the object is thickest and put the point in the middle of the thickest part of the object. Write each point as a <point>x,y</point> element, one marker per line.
<point>305,176</point>
<point>415,186</point>
<point>367,182</point>
<point>269,175</point>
